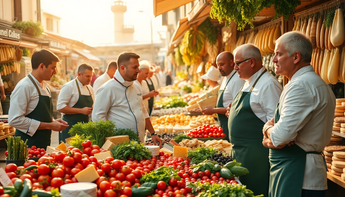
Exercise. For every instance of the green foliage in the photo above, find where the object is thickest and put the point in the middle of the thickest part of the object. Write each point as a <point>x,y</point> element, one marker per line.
<point>187,89</point>
<point>222,190</point>
<point>26,52</point>
<point>209,31</point>
<point>131,149</point>
<point>78,140</point>
<point>97,130</point>
<point>244,11</point>
<point>181,137</point>
<point>131,134</point>
<point>161,174</point>
<point>200,154</point>
<point>329,19</point>
<point>17,148</point>
<point>36,27</point>
<point>171,102</point>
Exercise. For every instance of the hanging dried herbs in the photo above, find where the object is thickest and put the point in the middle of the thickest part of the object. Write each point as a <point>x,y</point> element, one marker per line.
<point>192,46</point>
<point>209,31</point>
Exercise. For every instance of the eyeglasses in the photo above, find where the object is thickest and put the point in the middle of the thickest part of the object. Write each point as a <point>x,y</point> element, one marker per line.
<point>238,63</point>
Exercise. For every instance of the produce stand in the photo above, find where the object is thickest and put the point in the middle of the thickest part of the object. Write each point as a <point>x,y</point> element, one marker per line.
<point>336,179</point>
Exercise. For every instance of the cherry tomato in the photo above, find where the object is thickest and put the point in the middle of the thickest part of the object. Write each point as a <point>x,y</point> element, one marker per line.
<point>56,182</point>
<point>137,173</point>
<point>58,172</point>
<point>95,147</point>
<point>68,161</point>
<point>200,174</point>
<point>44,179</point>
<point>86,143</point>
<point>104,186</point>
<point>161,185</point>
<point>207,173</point>
<point>87,150</point>
<point>25,176</point>
<point>126,184</point>
<point>77,157</point>
<point>43,169</point>
<point>120,176</point>
<point>11,167</point>
<point>126,170</point>
<point>126,191</point>
<point>29,163</point>
<point>112,173</point>
<point>172,182</point>
<point>116,185</point>
<point>109,193</point>
<point>106,167</point>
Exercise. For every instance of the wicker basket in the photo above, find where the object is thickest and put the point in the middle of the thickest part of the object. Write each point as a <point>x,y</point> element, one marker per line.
<point>209,102</point>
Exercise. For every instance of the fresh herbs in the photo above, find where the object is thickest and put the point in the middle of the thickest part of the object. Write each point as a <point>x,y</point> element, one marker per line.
<point>181,137</point>
<point>223,190</point>
<point>171,102</point>
<point>200,154</point>
<point>17,148</point>
<point>329,19</point>
<point>131,134</point>
<point>243,12</point>
<point>132,149</point>
<point>212,166</point>
<point>209,31</point>
<point>161,174</point>
<point>77,141</point>
<point>97,130</point>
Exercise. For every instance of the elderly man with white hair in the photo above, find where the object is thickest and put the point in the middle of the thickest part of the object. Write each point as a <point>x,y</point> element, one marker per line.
<point>148,90</point>
<point>303,121</point>
<point>252,107</point>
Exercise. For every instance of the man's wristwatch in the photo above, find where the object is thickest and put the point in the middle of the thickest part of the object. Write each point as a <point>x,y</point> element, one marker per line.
<point>154,133</point>
<point>265,130</point>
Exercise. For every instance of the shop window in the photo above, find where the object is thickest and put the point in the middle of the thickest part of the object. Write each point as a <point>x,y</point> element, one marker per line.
<point>6,10</point>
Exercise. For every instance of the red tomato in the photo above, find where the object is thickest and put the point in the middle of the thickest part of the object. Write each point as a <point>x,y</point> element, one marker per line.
<point>43,169</point>
<point>45,160</point>
<point>100,179</point>
<point>207,173</point>
<point>109,193</point>
<point>56,182</point>
<point>29,163</point>
<point>126,170</point>
<point>137,173</point>
<point>95,147</point>
<point>106,167</point>
<point>200,174</point>
<point>100,172</point>
<point>5,195</point>
<point>77,157</point>
<point>130,178</point>
<point>25,176</point>
<point>11,167</point>
<point>116,185</point>
<point>217,174</point>
<point>112,173</point>
<point>86,143</point>
<point>75,171</point>
<point>87,150</point>
<point>68,181</point>
<point>104,186</point>
<point>94,151</point>
<point>126,191</point>
<point>172,182</point>
<point>109,159</point>
<point>44,179</point>
<point>11,175</point>
<point>79,166</point>
<point>85,162</point>
<point>37,185</point>
<point>120,176</point>
<point>222,135</point>
<point>68,161</point>
<point>58,172</point>
<point>126,184</point>
<point>161,185</point>
<point>233,182</point>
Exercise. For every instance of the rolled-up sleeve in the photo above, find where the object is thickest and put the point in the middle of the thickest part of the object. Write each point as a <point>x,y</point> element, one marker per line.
<point>102,106</point>
<point>295,112</point>
<point>20,98</point>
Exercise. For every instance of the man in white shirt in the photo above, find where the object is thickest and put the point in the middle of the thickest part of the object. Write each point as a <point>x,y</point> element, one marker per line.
<point>227,91</point>
<point>303,121</point>
<point>31,107</point>
<point>252,107</point>
<point>123,104</point>
<point>111,69</point>
<point>148,90</point>
<point>76,99</point>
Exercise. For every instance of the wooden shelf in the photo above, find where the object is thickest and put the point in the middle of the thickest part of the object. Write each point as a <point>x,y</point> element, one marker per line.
<point>6,136</point>
<point>338,134</point>
<point>336,179</point>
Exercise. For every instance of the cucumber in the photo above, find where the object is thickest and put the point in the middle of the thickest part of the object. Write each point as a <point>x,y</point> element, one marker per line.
<point>239,170</point>
<point>18,185</point>
<point>217,168</point>
<point>41,193</point>
<point>27,189</point>
<point>149,184</point>
<point>230,164</point>
<point>141,191</point>
<point>225,173</point>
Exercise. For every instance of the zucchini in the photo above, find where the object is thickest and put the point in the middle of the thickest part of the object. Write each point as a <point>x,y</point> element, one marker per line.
<point>230,164</point>
<point>239,170</point>
<point>42,193</point>
<point>141,191</point>
<point>27,189</point>
<point>149,184</point>
<point>18,185</point>
<point>225,173</point>
<point>217,168</point>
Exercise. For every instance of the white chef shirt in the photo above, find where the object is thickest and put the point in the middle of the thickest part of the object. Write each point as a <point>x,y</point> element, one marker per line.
<point>232,88</point>
<point>24,100</point>
<point>155,82</point>
<point>306,108</point>
<point>122,105</point>
<point>100,81</point>
<point>69,94</point>
<point>145,90</point>
<point>265,95</point>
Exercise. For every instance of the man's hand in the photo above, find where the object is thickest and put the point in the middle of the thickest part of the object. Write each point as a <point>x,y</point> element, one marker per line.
<point>59,125</point>
<point>156,139</point>
<point>3,96</point>
<point>266,142</point>
<point>228,110</point>
<point>153,93</point>
<point>86,110</point>
<point>208,111</point>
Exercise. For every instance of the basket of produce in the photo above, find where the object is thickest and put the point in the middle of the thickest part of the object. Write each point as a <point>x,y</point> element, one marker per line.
<point>208,102</point>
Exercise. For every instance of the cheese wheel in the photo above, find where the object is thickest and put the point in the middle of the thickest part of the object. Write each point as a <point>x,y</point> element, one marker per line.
<point>336,173</point>
<point>335,124</point>
<point>343,176</point>
<point>339,170</point>
<point>339,154</point>
<point>338,164</point>
<point>336,128</point>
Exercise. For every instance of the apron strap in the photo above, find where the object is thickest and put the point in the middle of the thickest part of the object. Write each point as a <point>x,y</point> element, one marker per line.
<point>88,90</point>
<point>76,82</point>
<point>32,80</point>
<point>153,85</point>
<point>251,89</point>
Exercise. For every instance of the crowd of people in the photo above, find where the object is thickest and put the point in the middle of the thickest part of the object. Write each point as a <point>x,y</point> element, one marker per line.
<point>277,133</point>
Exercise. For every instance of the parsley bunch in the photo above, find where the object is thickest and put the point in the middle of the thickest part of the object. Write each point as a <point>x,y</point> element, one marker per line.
<point>200,154</point>
<point>161,174</point>
<point>131,149</point>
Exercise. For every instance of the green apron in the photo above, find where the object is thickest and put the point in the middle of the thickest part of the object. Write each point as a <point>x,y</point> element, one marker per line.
<point>246,138</point>
<point>287,169</point>
<point>223,120</point>
<point>43,113</point>
<point>72,119</point>
<point>151,100</point>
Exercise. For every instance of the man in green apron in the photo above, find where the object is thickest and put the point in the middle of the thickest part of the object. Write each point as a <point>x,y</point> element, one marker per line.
<point>31,107</point>
<point>251,108</point>
<point>227,91</point>
<point>76,99</point>
<point>303,121</point>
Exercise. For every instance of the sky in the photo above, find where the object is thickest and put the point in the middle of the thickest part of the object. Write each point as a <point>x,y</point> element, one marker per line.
<point>92,21</point>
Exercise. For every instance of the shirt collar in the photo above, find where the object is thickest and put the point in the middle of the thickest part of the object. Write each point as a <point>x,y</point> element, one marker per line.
<point>232,72</point>
<point>79,83</point>
<point>255,75</point>
<point>121,80</point>
<point>301,71</point>
<point>42,85</point>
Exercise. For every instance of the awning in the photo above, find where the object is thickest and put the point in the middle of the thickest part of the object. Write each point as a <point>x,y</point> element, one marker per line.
<point>163,6</point>
<point>88,56</point>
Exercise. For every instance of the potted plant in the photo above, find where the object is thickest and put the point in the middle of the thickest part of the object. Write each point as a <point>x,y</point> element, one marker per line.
<point>29,27</point>
<point>17,150</point>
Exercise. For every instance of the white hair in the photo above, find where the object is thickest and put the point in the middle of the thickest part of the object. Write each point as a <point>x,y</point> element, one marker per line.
<point>295,41</point>
<point>248,51</point>
<point>144,64</point>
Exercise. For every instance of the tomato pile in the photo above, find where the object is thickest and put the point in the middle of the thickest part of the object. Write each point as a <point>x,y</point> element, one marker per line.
<point>206,131</point>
